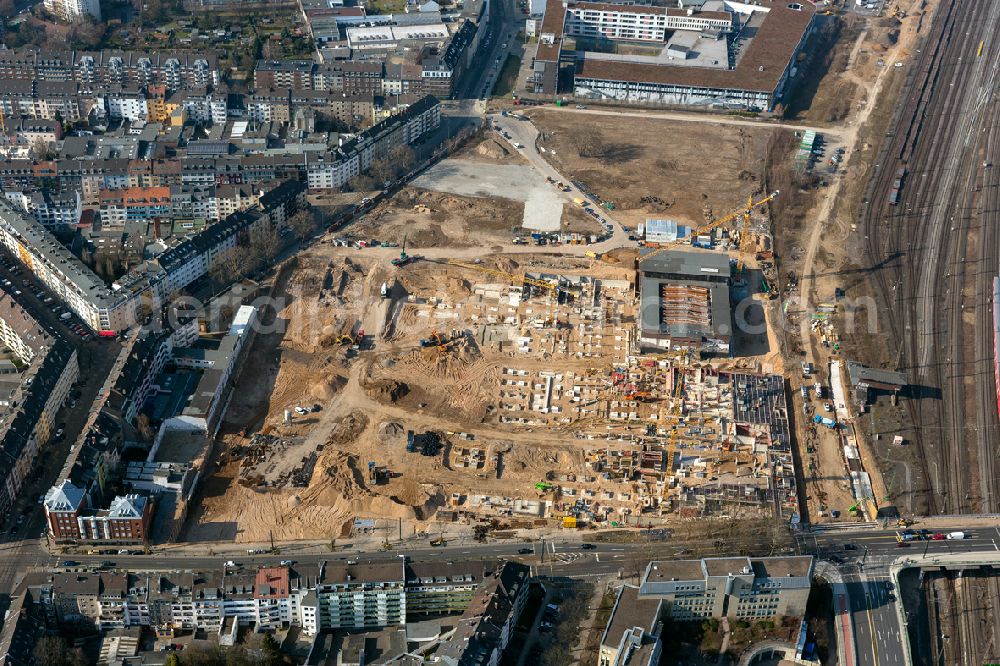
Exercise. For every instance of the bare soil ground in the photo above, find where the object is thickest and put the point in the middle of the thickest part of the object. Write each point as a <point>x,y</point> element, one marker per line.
<point>310,478</point>
<point>434,219</point>
<point>657,168</point>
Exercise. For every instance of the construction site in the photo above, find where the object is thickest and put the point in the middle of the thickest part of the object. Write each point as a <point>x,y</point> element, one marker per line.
<point>446,376</point>
<point>452,391</point>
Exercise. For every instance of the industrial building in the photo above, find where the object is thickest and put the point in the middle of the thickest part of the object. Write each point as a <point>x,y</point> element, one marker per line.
<point>729,54</point>
<point>684,302</point>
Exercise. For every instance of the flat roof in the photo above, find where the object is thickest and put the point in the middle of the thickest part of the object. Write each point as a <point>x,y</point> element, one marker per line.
<point>686,262</point>
<point>759,69</point>
<point>777,567</point>
<point>629,611</point>
<point>669,570</point>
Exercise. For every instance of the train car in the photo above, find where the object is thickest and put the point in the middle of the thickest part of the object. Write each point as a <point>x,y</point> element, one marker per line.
<point>996,337</point>
<point>896,186</point>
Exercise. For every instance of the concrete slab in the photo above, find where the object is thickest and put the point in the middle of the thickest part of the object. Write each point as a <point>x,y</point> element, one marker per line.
<point>543,204</point>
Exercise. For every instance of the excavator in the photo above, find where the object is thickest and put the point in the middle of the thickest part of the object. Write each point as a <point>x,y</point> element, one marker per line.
<point>403,259</point>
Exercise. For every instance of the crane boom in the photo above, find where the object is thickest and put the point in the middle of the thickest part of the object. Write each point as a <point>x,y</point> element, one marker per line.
<point>742,213</point>
<point>541,284</point>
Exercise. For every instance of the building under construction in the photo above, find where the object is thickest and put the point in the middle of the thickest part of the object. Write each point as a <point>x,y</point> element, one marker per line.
<point>684,302</point>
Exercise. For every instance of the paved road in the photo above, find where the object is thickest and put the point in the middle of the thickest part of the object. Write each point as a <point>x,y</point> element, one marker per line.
<point>703,118</point>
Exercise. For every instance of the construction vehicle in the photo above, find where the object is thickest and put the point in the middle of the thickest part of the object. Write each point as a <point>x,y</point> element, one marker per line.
<point>743,213</point>
<point>348,338</point>
<point>544,487</point>
<point>403,259</point>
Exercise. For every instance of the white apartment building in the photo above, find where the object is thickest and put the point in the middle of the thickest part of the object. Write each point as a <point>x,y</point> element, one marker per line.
<point>639,22</point>
<point>74,10</point>
<point>126,105</point>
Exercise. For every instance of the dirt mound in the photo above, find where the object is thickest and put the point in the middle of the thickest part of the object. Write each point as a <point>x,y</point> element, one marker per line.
<point>326,388</point>
<point>491,149</point>
<point>391,432</point>
<point>349,428</point>
<point>388,389</point>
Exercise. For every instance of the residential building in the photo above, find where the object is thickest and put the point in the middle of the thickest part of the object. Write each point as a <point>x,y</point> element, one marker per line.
<point>173,69</point>
<point>72,517</point>
<point>29,418</point>
<point>487,625</point>
<point>74,11</point>
<point>134,203</point>
<point>53,210</point>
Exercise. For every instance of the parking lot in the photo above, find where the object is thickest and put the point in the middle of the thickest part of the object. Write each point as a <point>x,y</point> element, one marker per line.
<point>95,356</point>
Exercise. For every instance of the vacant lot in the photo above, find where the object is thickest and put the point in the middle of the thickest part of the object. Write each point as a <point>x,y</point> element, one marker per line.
<point>656,168</point>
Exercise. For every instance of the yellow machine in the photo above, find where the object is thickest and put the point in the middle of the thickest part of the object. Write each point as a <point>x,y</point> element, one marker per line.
<point>744,213</point>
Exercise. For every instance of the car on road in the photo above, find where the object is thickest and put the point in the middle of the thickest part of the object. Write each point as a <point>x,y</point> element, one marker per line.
<point>850,546</point>
<point>107,564</point>
<point>70,563</point>
<point>525,551</point>
<point>286,563</point>
<point>902,544</point>
<point>588,546</point>
<point>230,564</point>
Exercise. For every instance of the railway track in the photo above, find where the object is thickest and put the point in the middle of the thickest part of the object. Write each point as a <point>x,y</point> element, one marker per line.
<point>931,290</point>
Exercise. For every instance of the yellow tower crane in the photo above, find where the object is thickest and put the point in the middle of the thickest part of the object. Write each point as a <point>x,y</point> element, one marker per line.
<point>676,410</point>
<point>541,284</point>
<point>744,213</point>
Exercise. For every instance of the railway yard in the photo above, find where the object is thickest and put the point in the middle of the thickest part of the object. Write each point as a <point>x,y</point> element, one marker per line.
<point>927,234</point>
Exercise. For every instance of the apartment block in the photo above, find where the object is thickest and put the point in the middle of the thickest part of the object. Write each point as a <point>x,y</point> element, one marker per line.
<point>640,22</point>
<point>35,396</point>
<point>361,596</point>
<point>53,210</point>
<point>176,70</point>
<point>73,517</point>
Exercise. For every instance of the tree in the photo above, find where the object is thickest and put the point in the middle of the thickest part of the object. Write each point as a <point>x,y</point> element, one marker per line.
<point>8,8</point>
<point>264,246</point>
<point>270,650</point>
<point>55,651</point>
<point>382,171</point>
<point>361,183</point>
<point>41,150</point>
<point>302,223</point>
<point>403,157</point>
